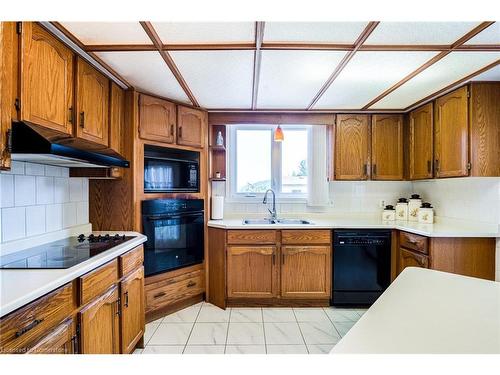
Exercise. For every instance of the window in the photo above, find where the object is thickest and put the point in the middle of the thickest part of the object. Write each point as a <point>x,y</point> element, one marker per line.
<point>257,163</point>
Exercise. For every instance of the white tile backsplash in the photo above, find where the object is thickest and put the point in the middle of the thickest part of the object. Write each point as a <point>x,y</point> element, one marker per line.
<point>37,199</point>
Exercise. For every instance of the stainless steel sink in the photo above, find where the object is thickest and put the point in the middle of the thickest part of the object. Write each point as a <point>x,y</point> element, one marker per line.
<point>279,221</point>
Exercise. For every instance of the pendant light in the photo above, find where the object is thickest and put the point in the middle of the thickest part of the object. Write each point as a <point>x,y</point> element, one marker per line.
<point>278,135</point>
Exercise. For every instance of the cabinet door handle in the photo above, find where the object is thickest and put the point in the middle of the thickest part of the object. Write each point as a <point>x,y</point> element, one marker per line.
<point>158,295</point>
<point>118,306</point>
<point>29,327</point>
<point>70,118</point>
<point>82,119</point>
<point>274,258</point>
<point>282,258</point>
<point>374,169</point>
<point>172,129</point>
<point>125,304</point>
<point>437,165</point>
<point>429,166</point>
<point>191,283</point>
<point>365,169</point>
<point>180,131</point>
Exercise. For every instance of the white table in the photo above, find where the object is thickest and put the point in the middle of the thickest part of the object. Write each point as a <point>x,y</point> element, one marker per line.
<point>426,311</point>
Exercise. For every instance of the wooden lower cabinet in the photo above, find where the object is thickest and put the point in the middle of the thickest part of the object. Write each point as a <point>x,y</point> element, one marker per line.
<point>99,324</point>
<point>408,258</point>
<point>306,271</point>
<point>132,312</point>
<point>251,271</point>
<point>62,340</point>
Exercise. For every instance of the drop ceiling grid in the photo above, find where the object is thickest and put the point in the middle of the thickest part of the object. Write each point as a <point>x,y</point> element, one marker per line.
<point>290,79</point>
<point>491,35</point>
<point>146,71</point>
<point>108,32</point>
<point>224,79</point>
<point>415,33</point>
<point>205,32</point>
<point>450,69</point>
<point>367,75</point>
<point>318,32</point>
<point>490,75</point>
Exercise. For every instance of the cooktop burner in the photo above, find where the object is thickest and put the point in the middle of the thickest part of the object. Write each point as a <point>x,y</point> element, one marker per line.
<point>64,253</point>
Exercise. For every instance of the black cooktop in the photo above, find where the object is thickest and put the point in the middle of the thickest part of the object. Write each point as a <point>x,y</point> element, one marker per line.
<point>64,253</point>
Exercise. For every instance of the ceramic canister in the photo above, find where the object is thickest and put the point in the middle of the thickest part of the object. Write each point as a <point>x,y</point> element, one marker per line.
<point>402,209</point>
<point>413,206</point>
<point>389,213</point>
<point>426,214</point>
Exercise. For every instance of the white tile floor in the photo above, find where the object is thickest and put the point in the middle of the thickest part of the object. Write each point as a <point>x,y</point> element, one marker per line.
<point>206,329</point>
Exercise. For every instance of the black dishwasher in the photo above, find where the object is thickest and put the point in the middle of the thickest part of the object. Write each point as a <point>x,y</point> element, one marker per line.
<point>361,266</point>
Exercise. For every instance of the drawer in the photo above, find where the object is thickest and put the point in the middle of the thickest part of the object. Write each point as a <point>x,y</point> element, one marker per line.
<point>21,328</point>
<point>166,292</point>
<point>299,237</point>
<point>96,282</point>
<point>414,242</point>
<point>411,259</point>
<point>131,260</point>
<point>251,237</point>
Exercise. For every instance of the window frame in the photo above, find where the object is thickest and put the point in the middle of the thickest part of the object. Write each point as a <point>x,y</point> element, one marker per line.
<point>232,195</point>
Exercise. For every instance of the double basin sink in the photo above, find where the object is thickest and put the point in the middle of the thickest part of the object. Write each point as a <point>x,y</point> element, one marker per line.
<point>276,221</point>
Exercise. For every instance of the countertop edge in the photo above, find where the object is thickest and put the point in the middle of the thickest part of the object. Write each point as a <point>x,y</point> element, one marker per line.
<point>72,273</point>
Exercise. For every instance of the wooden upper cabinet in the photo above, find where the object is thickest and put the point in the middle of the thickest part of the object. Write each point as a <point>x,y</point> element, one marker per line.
<point>485,129</point>
<point>191,126</point>
<point>306,271</point>
<point>387,147</point>
<point>133,312</point>
<point>157,119</point>
<point>351,147</point>
<point>99,324</point>
<point>46,80</point>
<point>420,143</point>
<point>116,117</point>
<point>252,271</point>
<point>92,94</point>
<point>451,143</point>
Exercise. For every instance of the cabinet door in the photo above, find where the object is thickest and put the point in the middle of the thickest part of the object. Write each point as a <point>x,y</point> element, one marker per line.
<point>387,147</point>
<point>99,324</point>
<point>306,271</point>
<point>251,271</point>
<point>408,258</point>
<point>191,125</point>
<point>62,340</point>
<point>157,119</point>
<point>351,147</point>
<point>421,136</point>
<point>116,117</point>
<point>46,80</point>
<point>132,317</point>
<point>451,142</point>
<point>92,104</point>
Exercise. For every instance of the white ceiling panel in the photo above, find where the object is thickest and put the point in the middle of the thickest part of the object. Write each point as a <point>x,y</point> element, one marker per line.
<point>147,72</point>
<point>419,32</point>
<point>218,79</point>
<point>317,32</point>
<point>492,74</point>
<point>490,35</point>
<point>290,79</point>
<point>205,32</point>
<point>108,32</point>
<point>450,69</point>
<point>367,75</point>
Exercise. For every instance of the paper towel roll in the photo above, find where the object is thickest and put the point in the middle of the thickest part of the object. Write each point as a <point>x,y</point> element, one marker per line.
<point>217,208</point>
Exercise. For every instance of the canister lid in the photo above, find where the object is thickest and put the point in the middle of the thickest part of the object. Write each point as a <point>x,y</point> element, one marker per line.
<point>415,196</point>
<point>402,200</point>
<point>426,205</point>
<point>389,207</point>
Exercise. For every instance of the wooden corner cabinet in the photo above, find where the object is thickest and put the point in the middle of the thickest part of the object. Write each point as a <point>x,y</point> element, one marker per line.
<point>387,147</point>
<point>420,143</point>
<point>351,151</point>
<point>46,83</point>
<point>101,312</point>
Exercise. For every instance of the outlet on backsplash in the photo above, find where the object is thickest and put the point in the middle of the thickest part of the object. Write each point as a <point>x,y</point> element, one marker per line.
<point>381,203</point>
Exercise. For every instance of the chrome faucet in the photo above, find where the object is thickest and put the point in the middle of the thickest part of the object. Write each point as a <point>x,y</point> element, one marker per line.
<point>264,201</point>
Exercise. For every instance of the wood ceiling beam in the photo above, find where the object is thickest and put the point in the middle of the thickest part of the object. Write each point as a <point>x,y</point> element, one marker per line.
<point>257,59</point>
<point>451,86</point>
<point>361,39</point>
<point>430,62</point>
<point>153,35</point>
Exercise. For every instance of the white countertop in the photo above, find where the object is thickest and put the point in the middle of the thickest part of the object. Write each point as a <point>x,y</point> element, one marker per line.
<point>443,227</point>
<point>429,312</point>
<point>20,287</point>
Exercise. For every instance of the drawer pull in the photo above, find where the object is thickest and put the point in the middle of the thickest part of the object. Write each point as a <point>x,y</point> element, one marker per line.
<point>191,284</point>
<point>29,327</point>
<point>161,294</point>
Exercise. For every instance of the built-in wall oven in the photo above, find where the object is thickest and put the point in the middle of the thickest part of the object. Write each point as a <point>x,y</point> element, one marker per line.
<point>175,231</point>
<point>169,170</point>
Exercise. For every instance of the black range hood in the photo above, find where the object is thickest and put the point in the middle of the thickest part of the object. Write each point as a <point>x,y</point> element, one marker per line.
<point>29,145</point>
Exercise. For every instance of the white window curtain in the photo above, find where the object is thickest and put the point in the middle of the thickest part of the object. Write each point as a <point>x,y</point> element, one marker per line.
<point>317,183</point>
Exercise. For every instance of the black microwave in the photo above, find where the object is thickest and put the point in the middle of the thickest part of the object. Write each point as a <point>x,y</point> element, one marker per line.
<point>168,170</point>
